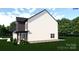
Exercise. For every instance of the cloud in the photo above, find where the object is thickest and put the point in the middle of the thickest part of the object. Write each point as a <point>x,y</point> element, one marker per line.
<point>26,15</point>
<point>32,10</point>
<point>18,11</point>
<point>21,9</point>
<point>51,9</point>
<point>57,16</point>
<point>6,20</point>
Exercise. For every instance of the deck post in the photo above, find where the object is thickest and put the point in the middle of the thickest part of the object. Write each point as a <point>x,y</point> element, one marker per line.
<point>18,38</point>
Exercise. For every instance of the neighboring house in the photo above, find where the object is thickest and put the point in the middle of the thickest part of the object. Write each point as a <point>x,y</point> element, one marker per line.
<point>40,27</point>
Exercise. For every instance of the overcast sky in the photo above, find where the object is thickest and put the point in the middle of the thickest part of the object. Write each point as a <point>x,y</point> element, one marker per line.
<point>8,15</point>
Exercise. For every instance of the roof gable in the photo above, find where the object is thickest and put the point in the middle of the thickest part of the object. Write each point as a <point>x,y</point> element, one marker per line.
<point>40,14</point>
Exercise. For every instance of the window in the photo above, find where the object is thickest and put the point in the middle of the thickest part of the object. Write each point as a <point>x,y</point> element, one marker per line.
<point>52,35</point>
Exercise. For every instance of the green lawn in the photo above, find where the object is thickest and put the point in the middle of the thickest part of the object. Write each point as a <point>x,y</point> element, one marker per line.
<point>70,44</point>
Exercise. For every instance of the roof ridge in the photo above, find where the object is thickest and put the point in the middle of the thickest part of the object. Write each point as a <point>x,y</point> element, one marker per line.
<point>41,12</point>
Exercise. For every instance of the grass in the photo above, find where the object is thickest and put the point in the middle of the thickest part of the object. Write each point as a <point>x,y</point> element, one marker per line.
<point>70,44</point>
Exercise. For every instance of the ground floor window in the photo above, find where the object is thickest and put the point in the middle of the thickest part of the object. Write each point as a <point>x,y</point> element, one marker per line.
<point>23,35</point>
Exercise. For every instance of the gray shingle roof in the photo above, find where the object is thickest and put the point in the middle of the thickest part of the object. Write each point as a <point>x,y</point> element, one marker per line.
<point>21,19</point>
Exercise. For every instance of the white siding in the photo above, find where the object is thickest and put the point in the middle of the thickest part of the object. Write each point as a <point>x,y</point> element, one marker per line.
<point>41,26</point>
<point>14,35</point>
<point>26,26</point>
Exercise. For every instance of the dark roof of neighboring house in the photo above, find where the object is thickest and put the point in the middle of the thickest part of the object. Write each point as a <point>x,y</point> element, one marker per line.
<point>21,19</point>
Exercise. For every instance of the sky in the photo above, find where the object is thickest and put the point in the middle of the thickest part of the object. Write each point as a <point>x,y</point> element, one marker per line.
<point>8,15</point>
